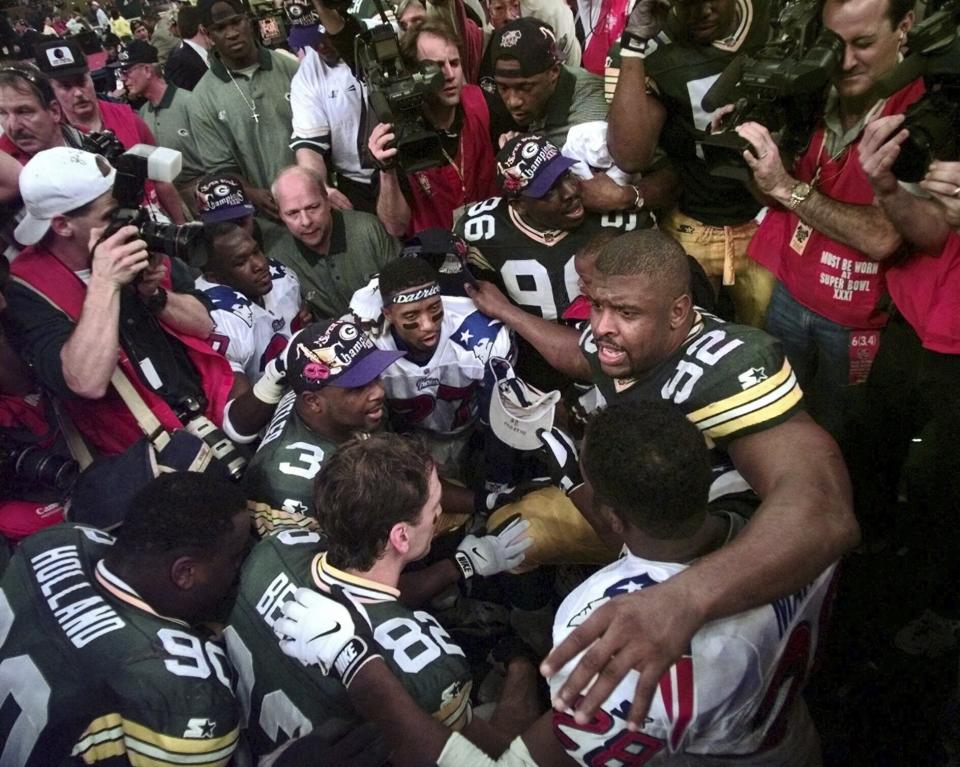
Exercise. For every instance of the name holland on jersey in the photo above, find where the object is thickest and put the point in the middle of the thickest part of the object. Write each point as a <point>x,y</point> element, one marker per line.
<point>83,614</point>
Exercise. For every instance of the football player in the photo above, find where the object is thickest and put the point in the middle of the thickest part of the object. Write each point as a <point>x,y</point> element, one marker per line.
<point>442,383</point>
<point>377,500</point>
<point>333,370</point>
<point>647,341</point>
<point>256,300</point>
<point>733,696</point>
<point>99,662</point>
<point>526,240</point>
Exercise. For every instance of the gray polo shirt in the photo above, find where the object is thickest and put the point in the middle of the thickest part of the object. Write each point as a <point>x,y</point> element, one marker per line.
<point>169,121</point>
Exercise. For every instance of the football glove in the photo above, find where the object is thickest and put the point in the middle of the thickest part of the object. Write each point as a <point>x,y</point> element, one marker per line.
<point>324,631</point>
<point>562,461</point>
<point>272,385</point>
<point>503,549</point>
<point>644,23</point>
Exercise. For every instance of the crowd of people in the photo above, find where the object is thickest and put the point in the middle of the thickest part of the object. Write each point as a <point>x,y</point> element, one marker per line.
<point>415,390</point>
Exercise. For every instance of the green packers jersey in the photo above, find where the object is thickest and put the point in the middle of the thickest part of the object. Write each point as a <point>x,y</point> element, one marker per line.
<point>280,698</point>
<point>282,471</point>
<point>90,674</point>
<point>680,75</point>
<point>730,380</point>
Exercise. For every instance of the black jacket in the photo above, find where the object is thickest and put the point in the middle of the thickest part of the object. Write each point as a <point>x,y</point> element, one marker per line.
<point>184,67</point>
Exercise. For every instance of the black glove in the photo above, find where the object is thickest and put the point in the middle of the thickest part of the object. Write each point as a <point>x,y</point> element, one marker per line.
<point>644,23</point>
<point>339,742</point>
<point>562,460</point>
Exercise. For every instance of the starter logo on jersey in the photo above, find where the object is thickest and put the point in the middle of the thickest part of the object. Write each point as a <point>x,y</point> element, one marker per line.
<point>200,728</point>
<point>752,377</point>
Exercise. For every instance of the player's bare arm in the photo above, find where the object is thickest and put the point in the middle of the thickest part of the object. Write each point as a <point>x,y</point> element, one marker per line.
<point>558,344</point>
<point>804,523</point>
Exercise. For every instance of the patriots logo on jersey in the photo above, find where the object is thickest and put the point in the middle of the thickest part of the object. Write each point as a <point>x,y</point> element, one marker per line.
<point>477,333</point>
<point>629,585</point>
<point>229,300</point>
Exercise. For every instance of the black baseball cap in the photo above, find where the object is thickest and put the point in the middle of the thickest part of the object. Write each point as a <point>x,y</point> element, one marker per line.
<point>206,9</point>
<point>61,58</point>
<point>135,52</point>
<point>530,41</point>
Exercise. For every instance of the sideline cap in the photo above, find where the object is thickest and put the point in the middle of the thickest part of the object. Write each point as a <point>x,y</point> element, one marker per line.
<point>530,41</point>
<point>517,409</point>
<point>61,58</point>
<point>221,198</point>
<point>56,181</point>
<point>135,52</point>
<point>529,166</point>
<point>334,353</point>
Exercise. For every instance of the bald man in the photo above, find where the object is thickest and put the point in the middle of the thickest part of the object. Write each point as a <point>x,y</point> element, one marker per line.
<point>338,250</point>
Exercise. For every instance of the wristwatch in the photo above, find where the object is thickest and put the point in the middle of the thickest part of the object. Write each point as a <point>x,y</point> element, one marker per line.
<point>156,302</point>
<point>800,192</point>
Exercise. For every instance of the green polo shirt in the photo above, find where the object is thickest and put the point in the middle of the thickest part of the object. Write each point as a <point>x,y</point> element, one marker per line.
<point>359,247</point>
<point>578,98</point>
<point>169,122</point>
<point>242,122</point>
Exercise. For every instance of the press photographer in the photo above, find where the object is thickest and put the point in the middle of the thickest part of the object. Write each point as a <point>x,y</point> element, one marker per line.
<point>93,310</point>
<point>823,237</point>
<point>457,116</point>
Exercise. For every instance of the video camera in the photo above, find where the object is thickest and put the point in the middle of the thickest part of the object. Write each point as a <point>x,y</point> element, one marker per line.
<point>396,95</point>
<point>134,168</point>
<point>934,120</point>
<point>782,87</point>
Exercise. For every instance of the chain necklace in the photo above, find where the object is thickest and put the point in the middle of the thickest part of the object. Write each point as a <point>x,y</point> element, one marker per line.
<point>251,105</point>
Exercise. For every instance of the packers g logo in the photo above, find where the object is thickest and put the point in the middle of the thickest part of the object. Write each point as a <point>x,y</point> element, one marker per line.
<point>348,332</point>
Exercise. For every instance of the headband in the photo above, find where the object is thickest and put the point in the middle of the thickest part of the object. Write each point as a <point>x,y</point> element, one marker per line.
<point>41,86</point>
<point>412,295</point>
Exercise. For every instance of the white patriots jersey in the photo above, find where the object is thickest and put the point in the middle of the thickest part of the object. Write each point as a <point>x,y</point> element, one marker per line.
<point>442,395</point>
<point>250,335</point>
<point>734,695</point>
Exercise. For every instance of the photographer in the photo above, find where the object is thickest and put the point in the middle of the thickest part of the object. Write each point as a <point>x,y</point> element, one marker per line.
<point>824,238</point>
<point>458,113</point>
<point>88,310</point>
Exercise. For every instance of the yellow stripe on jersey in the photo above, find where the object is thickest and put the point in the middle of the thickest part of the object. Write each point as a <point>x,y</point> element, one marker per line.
<point>148,748</point>
<point>765,401</point>
<point>102,740</point>
<point>455,711</point>
<point>268,520</point>
<point>610,76</point>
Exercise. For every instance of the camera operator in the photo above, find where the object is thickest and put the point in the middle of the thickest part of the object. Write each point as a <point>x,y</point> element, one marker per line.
<point>86,308</point>
<point>824,238</point>
<point>912,390</point>
<point>458,113</point>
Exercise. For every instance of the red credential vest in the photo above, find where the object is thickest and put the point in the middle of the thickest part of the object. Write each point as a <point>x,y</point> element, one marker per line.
<point>926,290</point>
<point>437,192</point>
<point>834,280</point>
<point>106,422</point>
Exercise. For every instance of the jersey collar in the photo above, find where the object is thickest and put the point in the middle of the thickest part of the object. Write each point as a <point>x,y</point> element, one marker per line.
<point>365,591</point>
<point>548,237</point>
<point>123,591</point>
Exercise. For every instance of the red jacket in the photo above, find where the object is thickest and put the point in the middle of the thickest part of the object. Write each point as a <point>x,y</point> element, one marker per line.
<point>106,422</point>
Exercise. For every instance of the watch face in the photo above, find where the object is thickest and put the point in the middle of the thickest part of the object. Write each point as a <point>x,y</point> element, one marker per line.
<point>802,189</point>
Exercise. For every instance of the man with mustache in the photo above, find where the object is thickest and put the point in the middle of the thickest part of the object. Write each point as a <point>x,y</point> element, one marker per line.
<point>65,64</point>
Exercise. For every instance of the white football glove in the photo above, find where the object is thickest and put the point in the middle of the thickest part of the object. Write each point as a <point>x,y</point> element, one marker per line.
<point>272,385</point>
<point>318,630</point>
<point>498,552</point>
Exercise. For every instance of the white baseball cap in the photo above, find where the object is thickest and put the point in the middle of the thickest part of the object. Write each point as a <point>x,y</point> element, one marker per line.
<point>56,181</point>
<point>517,409</point>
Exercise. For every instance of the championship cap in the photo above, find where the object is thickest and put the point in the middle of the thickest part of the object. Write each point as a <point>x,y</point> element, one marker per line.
<point>304,36</point>
<point>135,52</point>
<point>300,13</point>
<point>529,166</point>
<point>57,181</point>
<point>334,353</point>
<point>220,197</point>
<point>530,41</point>
<point>61,58</point>
<point>517,409</point>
